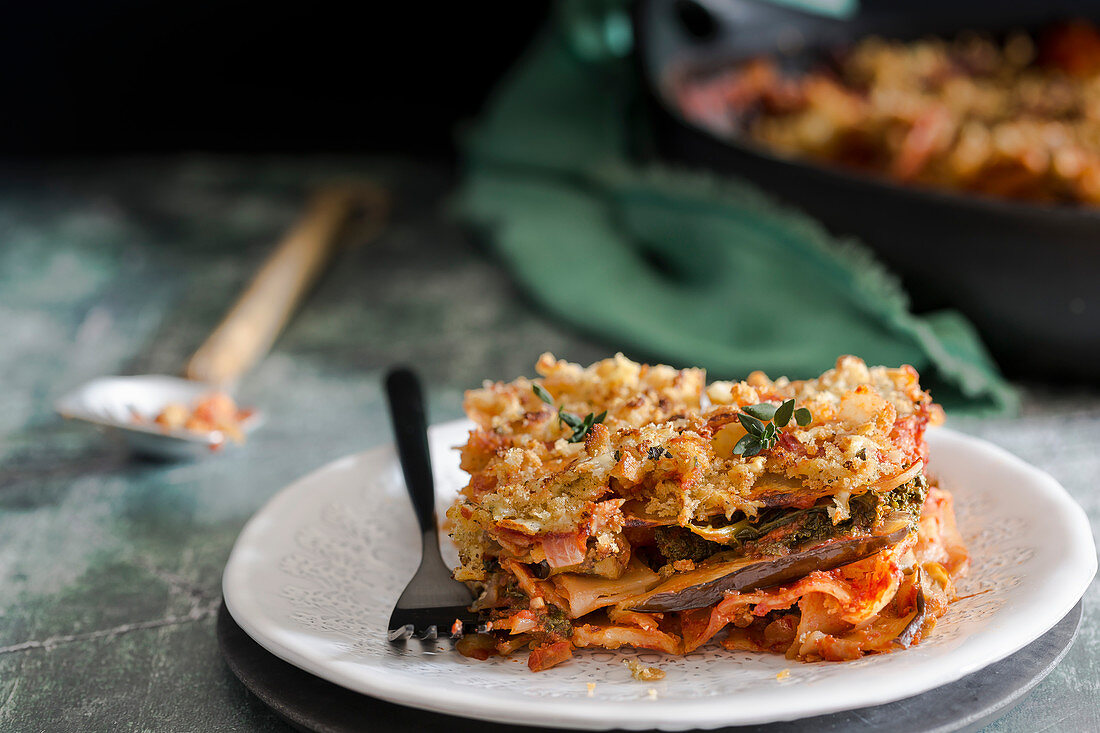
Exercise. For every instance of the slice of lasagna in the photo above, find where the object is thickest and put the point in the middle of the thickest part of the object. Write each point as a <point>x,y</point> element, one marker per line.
<point>626,504</point>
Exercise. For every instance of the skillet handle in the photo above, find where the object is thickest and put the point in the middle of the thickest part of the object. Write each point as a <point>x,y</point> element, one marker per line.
<point>410,426</point>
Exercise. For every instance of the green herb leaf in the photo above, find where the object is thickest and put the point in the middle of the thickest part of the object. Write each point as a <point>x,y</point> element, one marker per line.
<point>580,425</point>
<point>751,424</point>
<point>573,421</point>
<point>763,436</point>
<point>784,413</point>
<point>543,395</point>
<point>763,411</point>
<point>753,447</point>
<point>742,445</point>
<point>582,429</point>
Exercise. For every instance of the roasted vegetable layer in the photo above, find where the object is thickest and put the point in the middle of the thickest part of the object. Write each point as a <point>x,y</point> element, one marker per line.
<point>781,530</point>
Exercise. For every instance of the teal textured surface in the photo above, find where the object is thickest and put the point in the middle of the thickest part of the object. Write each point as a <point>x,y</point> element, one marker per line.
<point>110,568</point>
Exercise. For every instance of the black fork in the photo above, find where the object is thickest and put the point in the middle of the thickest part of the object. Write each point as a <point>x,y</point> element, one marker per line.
<point>433,603</point>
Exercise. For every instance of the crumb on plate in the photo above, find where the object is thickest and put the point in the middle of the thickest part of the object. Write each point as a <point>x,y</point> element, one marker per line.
<point>643,673</point>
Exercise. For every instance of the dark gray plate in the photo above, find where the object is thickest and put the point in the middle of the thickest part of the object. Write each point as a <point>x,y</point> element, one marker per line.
<point>312,704</point>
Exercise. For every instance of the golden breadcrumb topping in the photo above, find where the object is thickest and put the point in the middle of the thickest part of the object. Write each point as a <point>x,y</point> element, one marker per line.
<point>663,455</point>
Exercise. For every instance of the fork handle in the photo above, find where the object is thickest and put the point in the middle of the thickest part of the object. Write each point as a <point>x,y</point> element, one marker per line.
<point>410,426</point>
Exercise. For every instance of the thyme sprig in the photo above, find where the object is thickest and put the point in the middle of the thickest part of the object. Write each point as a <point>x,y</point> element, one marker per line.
<point>580,425</point>
<point>762,425</point>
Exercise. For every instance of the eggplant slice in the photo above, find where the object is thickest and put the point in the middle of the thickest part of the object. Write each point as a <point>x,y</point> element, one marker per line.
<point>712,579</point>
<point>909,633</point>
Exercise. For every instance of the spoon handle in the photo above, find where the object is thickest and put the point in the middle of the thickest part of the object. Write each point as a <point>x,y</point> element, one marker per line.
<point>251,325</point>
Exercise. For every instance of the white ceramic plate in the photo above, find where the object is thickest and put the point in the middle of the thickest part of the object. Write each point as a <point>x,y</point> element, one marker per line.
<point>315,573</point>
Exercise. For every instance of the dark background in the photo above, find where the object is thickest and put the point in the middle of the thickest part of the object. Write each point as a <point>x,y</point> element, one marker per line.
<point>137,77</point>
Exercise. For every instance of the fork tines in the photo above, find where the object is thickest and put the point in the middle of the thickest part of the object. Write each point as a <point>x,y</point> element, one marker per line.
<point>434,604</point>
<point>429,624</point>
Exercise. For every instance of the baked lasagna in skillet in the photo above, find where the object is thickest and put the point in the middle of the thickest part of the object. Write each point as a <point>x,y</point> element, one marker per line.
<point>1017,117</point>
<point>627,504</point>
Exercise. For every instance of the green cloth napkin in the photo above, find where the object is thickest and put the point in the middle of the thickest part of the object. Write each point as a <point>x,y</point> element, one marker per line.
<point>685,267</point>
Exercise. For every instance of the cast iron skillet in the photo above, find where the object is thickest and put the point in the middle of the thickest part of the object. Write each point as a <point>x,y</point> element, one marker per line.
<point>1028,275</point>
